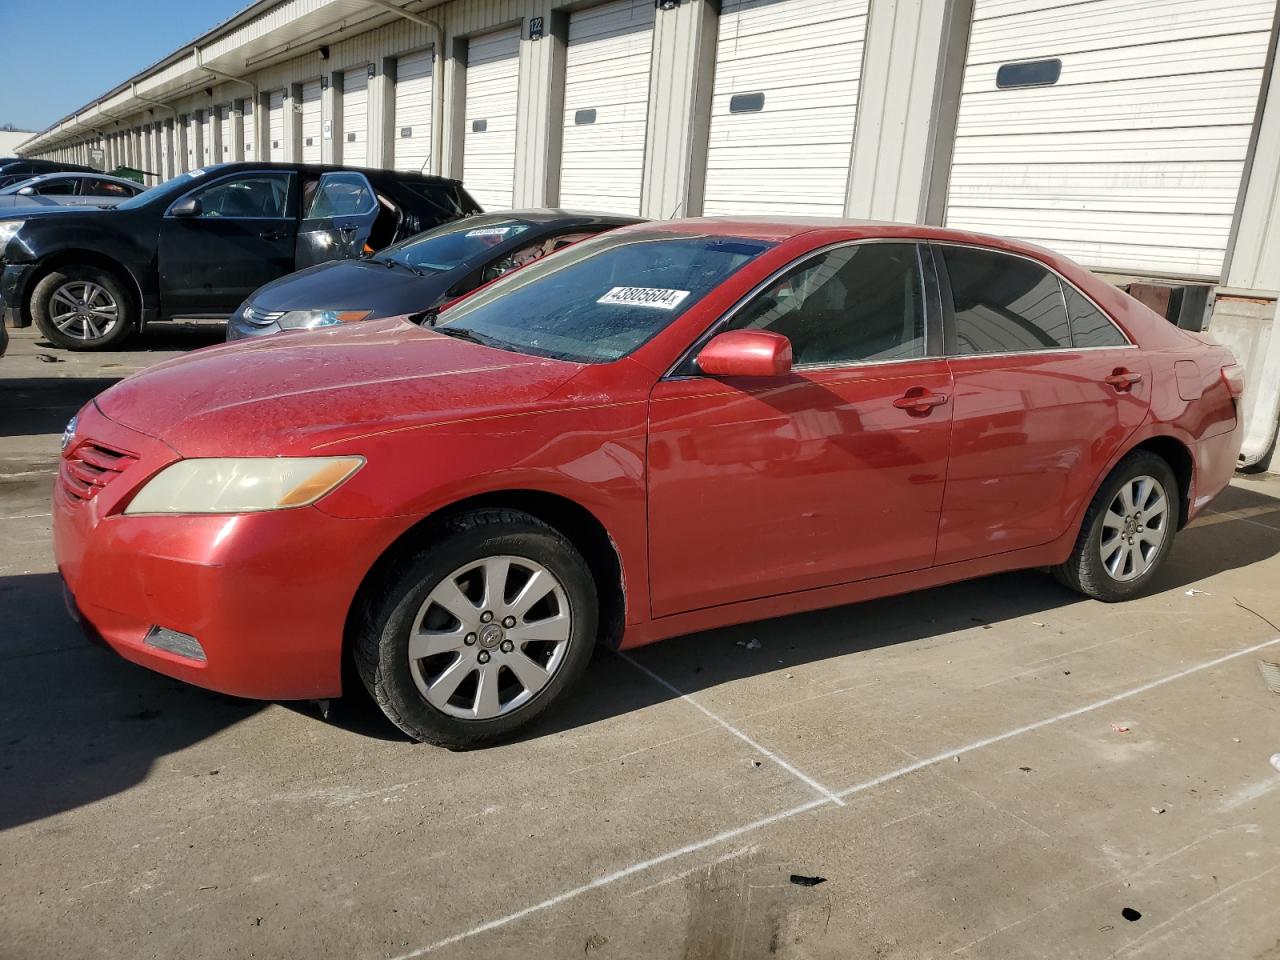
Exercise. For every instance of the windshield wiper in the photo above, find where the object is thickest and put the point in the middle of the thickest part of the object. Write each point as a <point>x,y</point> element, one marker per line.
<point>392,262</point>
<point>463,333</point>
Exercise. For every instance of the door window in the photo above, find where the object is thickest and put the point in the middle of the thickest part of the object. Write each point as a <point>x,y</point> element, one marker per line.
<point>341,195</point>
<point>856,303</point>
<point>1004,304</point>
<point>105,188</point>
<point>260,195</point>
<point>57,188</point>
<point>1090,327</point>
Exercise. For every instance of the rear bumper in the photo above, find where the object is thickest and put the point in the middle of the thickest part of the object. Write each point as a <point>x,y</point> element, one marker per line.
<point>266,595</point>
<point>1216,458</point>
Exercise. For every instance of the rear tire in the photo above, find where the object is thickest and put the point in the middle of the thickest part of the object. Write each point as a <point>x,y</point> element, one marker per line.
<point>81,307</point>
<point>470,639</point>
<point>1127,532</point>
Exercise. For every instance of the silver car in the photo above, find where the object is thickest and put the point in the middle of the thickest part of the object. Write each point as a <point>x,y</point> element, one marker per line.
<point>69,190</point>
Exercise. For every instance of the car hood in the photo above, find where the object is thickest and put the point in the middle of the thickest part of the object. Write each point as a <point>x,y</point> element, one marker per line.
<point>354,285</point>
<point>292,392</point>
<point>56,210</point>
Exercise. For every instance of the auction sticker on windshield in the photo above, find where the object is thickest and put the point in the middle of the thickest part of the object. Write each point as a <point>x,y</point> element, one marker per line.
<point>655,297</point>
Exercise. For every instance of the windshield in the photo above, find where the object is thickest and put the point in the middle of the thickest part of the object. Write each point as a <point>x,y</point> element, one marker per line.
<point>602,298</point>
<point>453,244</point>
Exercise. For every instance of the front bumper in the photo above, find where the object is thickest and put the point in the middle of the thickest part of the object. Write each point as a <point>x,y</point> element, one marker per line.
<point>13,289</point>
<point>266,595</point>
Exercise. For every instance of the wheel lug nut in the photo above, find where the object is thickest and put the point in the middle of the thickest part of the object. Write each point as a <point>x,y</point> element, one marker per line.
<point>486,616</point>
<point>469,639</point>
<point>508,622</point>
<point>507,646</point>
<point>483,656</point>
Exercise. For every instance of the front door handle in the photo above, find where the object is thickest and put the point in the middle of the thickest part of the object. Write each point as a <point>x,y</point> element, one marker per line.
<point>919,402</point>
<point>273,234</point>
<point>1123,380</point>
<point>348,230</point>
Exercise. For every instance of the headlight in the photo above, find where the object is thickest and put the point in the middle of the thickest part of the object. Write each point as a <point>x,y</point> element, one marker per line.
<point>310,319</point>
<point>8,230</point>
<point>69,433</point>
<point>242,485</point>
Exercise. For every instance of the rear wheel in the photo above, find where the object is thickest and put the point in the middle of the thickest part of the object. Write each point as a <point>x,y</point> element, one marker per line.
<point>83,308</point>
<point>1127,532</point>
<point>477,635</point>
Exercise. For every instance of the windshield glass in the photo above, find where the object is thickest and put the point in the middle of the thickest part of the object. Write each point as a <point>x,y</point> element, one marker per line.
<point>600,299</point>
<point>176,184</point>
<point>453,244</point>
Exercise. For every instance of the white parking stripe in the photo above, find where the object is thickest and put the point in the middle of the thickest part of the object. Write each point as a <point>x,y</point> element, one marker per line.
<point>609,878</point>
<point>759,748</point>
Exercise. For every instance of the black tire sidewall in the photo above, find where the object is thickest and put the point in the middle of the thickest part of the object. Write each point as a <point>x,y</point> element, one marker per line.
<point>392,619</point>
<point>1093,573</point>
<point>48,285</point>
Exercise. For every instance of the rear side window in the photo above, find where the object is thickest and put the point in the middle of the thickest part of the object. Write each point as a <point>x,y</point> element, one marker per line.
<point>341,195</point>
<point>443,200</point>
<point>105,188</point>
<point>856,303</point>
<point>1004,304</point>
<point>1089,326</point>
<point>57,188</point>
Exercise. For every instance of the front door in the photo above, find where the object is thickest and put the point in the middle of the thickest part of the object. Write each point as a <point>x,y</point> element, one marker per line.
<point>1044,398</point>
<point>339,212</point>
<point>830,475</point>
<point>241,235</point>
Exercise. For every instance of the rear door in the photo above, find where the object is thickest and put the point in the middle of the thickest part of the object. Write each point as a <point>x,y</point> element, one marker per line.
<point>1044,397</point>
<point>243,237</point>
<point>338,215</point>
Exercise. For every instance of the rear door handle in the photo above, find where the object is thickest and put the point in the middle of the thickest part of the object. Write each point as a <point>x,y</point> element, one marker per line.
<point>348,230</point>
<point>273,234</point>
<point>919,402</point>
<point>1122,379</point>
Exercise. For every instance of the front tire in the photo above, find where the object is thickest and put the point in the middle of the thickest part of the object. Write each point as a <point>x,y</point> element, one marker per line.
<point>1127,532</point>
<point>83,307</point>
<point>470,639</point>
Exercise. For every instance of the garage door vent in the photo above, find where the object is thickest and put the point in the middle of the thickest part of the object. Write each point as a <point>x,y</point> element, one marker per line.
<point>583,117</point>
<point>746,102</point>
<point>1036,73</point>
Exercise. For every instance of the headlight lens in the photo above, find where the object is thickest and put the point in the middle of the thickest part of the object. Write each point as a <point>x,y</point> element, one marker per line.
<point>242,485</point>
<point>8,230</point>
<point>311,319</point>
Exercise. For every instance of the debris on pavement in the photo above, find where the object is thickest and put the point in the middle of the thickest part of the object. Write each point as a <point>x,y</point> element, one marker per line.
<point>803,881</point>
<point>1275,760</point>
<point>1130,914</point>
<point>1157,810</point>
<point>48,358</point>
<point>1119,728</point>
<point>1271,674</point>
<point>1193,592</point>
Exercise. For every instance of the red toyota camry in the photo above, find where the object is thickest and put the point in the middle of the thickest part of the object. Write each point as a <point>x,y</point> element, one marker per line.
<point>668,428</point>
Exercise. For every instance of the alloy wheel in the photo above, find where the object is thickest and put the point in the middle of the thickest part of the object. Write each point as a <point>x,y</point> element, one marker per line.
<point>489,637</point>
<point>84,310</point>
<point>1134,528</point>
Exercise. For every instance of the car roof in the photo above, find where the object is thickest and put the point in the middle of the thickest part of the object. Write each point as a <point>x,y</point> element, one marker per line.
<point>557,215</point>
<point>373,173</point>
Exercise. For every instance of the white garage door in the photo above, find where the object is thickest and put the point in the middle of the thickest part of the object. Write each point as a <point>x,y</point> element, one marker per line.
<point>606,106</point>
<point>355,117</point>
<point>207,125</point>
<point>195,145</point>
<point>312,125</point>
<point>784,105</point>
<point>249,126</point>
<point>275,125</point>
<point>1126,149</point>
<point>489,145</point>
<point>413,112</point>
<point>226,143</point>
<point>166,151</point>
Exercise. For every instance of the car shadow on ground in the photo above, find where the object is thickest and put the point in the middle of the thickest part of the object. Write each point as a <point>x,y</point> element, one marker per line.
<point>163,335</point>
<point>37,406</point>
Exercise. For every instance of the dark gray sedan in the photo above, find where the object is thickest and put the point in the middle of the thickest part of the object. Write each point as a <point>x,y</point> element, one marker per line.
<point>417,274</point>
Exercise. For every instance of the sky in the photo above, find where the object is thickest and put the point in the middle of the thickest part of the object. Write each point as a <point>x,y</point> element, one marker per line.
<point>57,55</point>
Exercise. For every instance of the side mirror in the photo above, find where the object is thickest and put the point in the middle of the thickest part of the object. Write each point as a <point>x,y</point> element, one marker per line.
<point>27,192</point>
<point>746,353</point>
<point>186,207</point>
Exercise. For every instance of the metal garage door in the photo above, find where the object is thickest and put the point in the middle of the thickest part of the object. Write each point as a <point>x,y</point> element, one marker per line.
<point>312,124</point>
<point>166,151</point>
<point>226,143</point>
<point>1126,150</point>
<point>784,106</point>
<point>207,125</point>
<point>194,146</point>
<point>248,129</point>
<point>413,112</point>
<point>355,116</point>
<point>489,145</point>
<point>275,125</point>
<point>606,106</point>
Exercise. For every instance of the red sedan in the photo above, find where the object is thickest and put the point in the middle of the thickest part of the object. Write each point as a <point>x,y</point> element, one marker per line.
<point>668,428</point>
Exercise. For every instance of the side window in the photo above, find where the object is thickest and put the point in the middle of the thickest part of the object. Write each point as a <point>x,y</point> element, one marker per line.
<point>256,195</point>
<point>1090,327</point>
<point>861,302</point>
<point>341,195</point>
<point>1004,304</point>
<point>57,188</point>
<point>105,188</point>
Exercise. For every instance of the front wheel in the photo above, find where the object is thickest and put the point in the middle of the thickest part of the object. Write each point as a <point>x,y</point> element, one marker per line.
<point>475,636</point>
<point>1127,532</point>
<point>83,308</point>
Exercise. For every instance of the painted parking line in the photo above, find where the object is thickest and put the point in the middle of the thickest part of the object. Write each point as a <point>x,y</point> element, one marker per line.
<point>747,828</point>
<point>799,774</point>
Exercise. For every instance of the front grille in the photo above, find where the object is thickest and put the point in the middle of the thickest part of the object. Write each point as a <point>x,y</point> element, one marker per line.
<point>89,468</point>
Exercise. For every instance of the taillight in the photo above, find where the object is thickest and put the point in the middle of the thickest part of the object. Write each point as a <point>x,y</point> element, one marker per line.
<point>1233,377</point>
